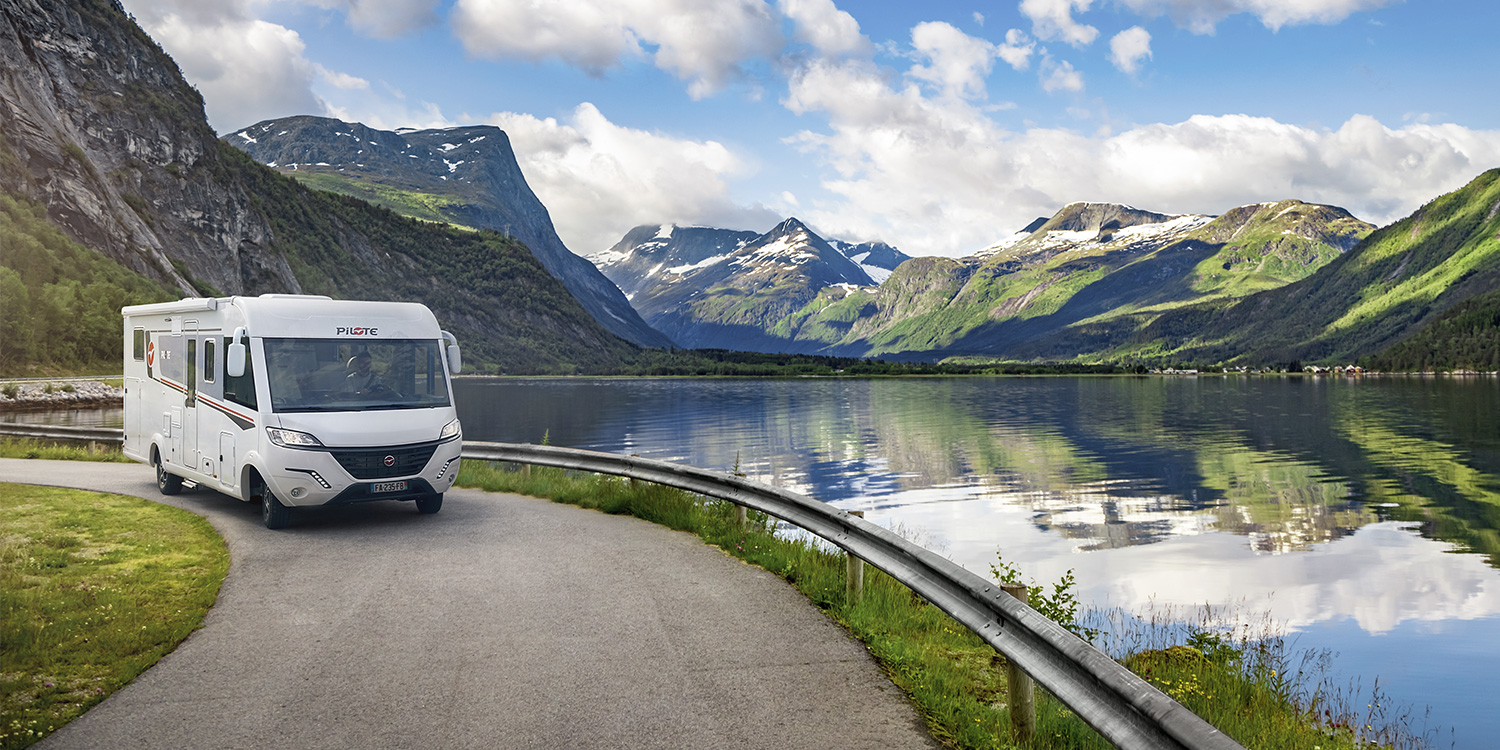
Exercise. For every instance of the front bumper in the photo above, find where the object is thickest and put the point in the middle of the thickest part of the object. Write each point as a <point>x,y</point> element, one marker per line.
<point>320,477</point>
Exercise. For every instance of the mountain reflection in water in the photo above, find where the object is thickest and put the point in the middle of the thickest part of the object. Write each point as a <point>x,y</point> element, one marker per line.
<point>1109,462</point>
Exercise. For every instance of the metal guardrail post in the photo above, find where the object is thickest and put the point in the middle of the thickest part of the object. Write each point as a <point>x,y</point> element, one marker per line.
<point>1018,684</point>
<point>854,573</point>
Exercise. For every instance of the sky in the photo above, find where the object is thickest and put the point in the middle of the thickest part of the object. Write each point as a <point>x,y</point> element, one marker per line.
<point>940,127</point>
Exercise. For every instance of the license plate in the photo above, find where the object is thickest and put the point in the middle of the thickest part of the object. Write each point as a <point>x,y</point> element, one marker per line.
<point>378,487</point>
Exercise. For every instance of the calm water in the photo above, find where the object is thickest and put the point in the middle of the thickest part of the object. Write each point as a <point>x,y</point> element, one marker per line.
<point>1362,514</point>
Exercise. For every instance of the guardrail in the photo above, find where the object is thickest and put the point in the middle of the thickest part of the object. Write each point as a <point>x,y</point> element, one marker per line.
<point>60,432</point>
<point>1125,709</point>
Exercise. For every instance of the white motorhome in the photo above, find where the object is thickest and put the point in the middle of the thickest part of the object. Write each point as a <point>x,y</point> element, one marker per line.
<point>293,400</point>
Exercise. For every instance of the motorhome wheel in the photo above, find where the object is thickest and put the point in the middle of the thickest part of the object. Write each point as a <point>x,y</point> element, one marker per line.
<point>272,512</point>
<point>167,482</point>
<point>430,503</point>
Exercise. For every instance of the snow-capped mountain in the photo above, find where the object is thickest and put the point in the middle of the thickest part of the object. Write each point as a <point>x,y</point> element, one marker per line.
<point>722,288</point>
<point>877,258</point>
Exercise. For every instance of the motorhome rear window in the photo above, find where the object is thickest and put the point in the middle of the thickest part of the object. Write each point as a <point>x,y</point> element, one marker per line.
<point>350,375</point>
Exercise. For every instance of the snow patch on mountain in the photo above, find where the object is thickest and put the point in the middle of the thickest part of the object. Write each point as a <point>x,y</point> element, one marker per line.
<point>691,267</point>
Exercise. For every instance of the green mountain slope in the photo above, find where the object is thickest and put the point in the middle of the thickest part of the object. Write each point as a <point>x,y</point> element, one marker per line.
<point>1467,337</point>
<point>1084,281</point>
<point>1394,283</point>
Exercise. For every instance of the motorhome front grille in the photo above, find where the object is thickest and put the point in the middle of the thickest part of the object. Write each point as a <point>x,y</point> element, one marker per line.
<point>380,463</point>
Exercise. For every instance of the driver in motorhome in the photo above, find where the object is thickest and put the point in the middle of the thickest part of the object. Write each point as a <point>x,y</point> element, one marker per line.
<point>362,378</point>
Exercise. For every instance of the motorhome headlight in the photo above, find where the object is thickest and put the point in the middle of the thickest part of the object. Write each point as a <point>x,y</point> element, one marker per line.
<point>292,438</point>
<point>450,431</point>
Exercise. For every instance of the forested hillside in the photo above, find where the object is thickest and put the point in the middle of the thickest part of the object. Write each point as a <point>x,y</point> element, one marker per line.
<point>60,301</point>
<point>1464,338</point>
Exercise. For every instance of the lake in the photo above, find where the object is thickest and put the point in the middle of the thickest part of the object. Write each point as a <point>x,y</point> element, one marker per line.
<point>1363,515</point>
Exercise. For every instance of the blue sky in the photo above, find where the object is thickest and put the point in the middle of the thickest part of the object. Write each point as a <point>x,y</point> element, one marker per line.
<point>940,127</point>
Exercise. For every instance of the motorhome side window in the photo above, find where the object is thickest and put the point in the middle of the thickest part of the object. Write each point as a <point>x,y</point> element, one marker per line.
<point>306,375</point>
<point>138,348</point>
<point>208,360</point>
<point>241,390</point>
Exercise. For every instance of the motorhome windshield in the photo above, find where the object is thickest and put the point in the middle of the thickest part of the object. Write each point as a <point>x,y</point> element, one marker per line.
<point>346,375</point>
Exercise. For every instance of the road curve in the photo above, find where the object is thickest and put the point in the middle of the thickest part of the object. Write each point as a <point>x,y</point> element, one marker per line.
<point>501,622</point>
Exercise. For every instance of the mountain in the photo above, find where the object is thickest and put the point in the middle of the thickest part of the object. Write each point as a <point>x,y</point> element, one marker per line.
<point>105,153</point>
<point>1391,287</point>
<point>877,258</point>
<point>719,288</point>
<point>1048,292</point>
<point>467,176</point>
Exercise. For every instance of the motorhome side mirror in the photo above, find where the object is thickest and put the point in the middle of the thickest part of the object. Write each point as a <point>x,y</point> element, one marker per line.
<point>455,359</point>
<point>234,362</point>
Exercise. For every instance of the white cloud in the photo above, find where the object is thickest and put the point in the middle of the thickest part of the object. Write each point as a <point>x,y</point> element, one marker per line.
<point>700,41</point>
<point>1128,48</point>
<point>1060,76</point>
<point>821,24</point>
<point>958,63</point>
<point>341,80</point>
<point>937,176</point>
<point>247,69</point>
<point>599,179</point>
<point>1201,16</point>
<point>1017,49</point>
<point>1052,21</point>
<point>384,18</point>
<point>978,18</point>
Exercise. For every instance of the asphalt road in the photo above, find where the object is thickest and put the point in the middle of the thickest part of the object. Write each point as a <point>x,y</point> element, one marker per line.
<point>501,622</point>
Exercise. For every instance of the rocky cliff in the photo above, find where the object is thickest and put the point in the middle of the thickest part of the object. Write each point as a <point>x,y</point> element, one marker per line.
<point>99,126</point>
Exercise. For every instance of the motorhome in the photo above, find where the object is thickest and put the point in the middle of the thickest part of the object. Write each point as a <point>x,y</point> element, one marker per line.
<point>293,400</point>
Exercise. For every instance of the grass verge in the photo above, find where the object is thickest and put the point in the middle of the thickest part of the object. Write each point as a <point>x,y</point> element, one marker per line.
<point>94,588</point>
<point>29,448</point>
<point>955,680</point>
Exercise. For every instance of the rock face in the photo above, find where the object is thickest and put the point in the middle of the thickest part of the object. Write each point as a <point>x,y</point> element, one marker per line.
<point>726,289</point>
<point>466,176</point>
<point>98,126</point>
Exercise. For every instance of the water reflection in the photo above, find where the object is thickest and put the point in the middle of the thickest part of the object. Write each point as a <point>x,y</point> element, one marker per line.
<point>1111,462</point>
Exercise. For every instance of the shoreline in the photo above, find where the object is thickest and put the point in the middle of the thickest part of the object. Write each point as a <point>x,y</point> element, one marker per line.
<point>60,394</point>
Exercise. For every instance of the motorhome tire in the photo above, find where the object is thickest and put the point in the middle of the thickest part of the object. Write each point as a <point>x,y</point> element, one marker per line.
<point>167,482</point>
<point>430,503</point>
<point>272,512</point>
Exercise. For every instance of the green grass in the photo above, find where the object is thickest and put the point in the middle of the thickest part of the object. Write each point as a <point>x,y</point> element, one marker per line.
<point>29,448</point>
<point>417,205</point>
<point>94,589</point>
<point>954,679</point>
